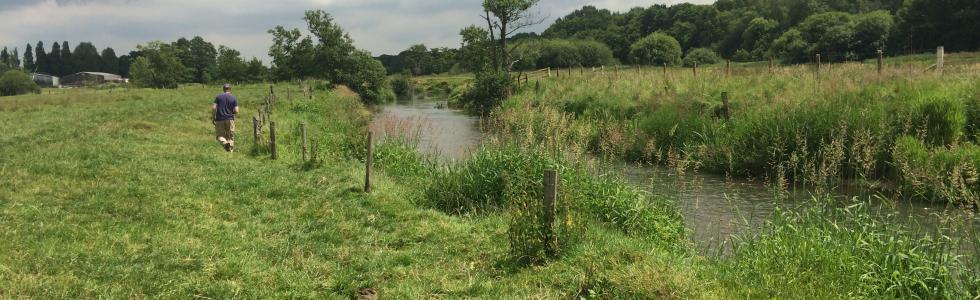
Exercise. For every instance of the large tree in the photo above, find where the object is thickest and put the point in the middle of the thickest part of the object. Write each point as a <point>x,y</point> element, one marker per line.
<point>29,64</point>
<point>110,63</point>
<point>66,63</point>
<point>158,66</point>
<point>475,48</point>
<point>41,59</point>
<point>505,17</point>
<point>86,58</point>
<point>230,66</point>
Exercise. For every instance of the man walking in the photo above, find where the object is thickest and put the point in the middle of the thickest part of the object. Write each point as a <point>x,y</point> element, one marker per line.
<point>224,109</point>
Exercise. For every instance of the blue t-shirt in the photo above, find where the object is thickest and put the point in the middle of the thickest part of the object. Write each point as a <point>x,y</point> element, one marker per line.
<point>226,107</point>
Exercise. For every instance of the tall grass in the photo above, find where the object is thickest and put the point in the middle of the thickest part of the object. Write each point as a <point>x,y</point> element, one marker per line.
<point>812,129</point>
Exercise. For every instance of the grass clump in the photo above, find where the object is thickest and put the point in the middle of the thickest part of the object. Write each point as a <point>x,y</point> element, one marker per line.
<point>949,174</point>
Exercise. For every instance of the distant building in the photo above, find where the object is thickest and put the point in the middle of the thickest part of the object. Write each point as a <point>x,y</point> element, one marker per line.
<point>91,78</point>
<point>45,80</point>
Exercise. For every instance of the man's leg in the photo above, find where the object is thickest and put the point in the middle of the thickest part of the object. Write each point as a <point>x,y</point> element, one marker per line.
<point>230,135</point>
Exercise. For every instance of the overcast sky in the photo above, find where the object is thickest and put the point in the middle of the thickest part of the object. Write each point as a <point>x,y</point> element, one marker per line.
<point>380,26</point>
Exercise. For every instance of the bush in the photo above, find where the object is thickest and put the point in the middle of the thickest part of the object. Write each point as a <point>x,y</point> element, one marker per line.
<point>594,54</point>
<point>15,82</point>
<point>559,53</point>
<point>657,48</point>
<point>701,56</point>
<point>942,117</point>
<point>489,90</point>
<point>401,86</point>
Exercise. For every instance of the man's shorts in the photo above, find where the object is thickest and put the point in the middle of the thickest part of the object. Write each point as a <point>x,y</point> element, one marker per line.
<point>225,130</point>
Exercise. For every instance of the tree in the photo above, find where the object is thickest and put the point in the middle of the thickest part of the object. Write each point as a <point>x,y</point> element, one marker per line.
<point>86,58</point>
<point>758,36</point>
<point>656,48</point>
<point>43,66</point>
<point>54,60</point>
<point>474,52</point>
<point>158,66</point>
<point>871,32</point>
<point>791,47</point>
<point>255,71</point>
<point>15,82</point>
<point>594,54</point>
<point>66,65</point>
<point>506,17</point>
<point>701,56</point>
<point>230,67</point>
<point>830,34</point>
<point>110,63</point>
<point>29,64</point>
<point>332,57</point>
<point>199,56</point>
<point>5,58</point>
<point>416,57</point>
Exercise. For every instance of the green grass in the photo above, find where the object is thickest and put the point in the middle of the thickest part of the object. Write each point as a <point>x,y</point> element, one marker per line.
<point>812,130</point>
<point>126,194</point>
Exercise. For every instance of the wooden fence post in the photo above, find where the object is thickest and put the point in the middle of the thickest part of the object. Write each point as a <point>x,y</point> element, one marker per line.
<point>256,128</point>
<point>728,67</point>
<point>272,140</point>
<point>770,64</point>
<point>940,55</point>
<point>665,70</point>
<point>549,72</point>
<point>724,105</point>
<point>369,162</point>
<point>302,127</point>
<point>880,55</point>
<point>548,211</point>
<point>695,69</point>
<point>818,62</point>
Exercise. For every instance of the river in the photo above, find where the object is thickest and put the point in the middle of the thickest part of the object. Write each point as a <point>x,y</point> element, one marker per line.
<point>714,207</point>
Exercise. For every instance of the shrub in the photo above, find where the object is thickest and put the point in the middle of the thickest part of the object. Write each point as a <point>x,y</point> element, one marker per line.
<point>489,90</point>
<point>15,82</point>
<point>401,86</point>
<point>656,48</point>
<point>558,53</point>
<point>701,56</point>
<point>594,54</point>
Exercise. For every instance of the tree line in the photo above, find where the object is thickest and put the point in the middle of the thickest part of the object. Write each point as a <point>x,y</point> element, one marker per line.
<point>740,30</point>
<point>61,60</point>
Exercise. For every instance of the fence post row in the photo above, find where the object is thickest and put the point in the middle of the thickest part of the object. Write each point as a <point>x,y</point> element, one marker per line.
<point>548,211</point>
<point>369,161</point>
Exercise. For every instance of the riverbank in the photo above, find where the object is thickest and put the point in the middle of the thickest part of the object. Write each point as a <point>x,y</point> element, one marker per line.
<point>794,127</point>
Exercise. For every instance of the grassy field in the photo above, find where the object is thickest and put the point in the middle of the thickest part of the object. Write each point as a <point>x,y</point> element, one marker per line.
<point>125,194</point>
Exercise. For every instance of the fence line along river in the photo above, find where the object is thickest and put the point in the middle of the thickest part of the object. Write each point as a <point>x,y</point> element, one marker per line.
<point>714,207</point>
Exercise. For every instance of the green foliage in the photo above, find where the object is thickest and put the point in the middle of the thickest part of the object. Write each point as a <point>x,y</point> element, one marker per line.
<point>86,58</point>
<point>402,86</point>
<point>942,117</point>
<point>157,67</point>
<point>527,234</point>
<point>474,54</point>
<point>229,67</point>
<point>791,47</point>
<point>15,82</point>
<point>489,90</point>
<point>655,49</point>
<point>329,53</point>
<point>701,56</point>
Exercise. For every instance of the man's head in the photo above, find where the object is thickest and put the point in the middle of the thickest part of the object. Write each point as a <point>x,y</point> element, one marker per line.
<point>227,87</point>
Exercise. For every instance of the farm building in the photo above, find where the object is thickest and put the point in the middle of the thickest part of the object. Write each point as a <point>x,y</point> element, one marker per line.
<point>45,80</point>
<point>91,78</point>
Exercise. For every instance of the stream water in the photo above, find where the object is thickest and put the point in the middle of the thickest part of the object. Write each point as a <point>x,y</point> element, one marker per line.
<point>714,207</point>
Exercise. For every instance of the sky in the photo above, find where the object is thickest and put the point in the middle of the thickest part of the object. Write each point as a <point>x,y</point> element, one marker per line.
<point>379,26</point>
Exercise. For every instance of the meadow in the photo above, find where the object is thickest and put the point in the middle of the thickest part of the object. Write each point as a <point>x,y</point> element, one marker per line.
<point>120,193</point>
